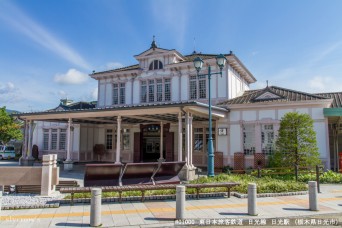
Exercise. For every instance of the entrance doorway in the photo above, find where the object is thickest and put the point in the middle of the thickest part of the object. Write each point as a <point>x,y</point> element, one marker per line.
<point>147,143</point>
<point>151,149</point>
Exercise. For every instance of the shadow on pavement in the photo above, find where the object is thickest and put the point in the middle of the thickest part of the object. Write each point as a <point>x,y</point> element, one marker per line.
<point>232,213</point>
<point>159,219</point>
<point>296,209</point>
<point>69,224</point>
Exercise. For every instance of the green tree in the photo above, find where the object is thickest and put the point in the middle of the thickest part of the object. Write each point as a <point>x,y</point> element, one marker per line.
<point>296,143</point>
<point>9,128</point>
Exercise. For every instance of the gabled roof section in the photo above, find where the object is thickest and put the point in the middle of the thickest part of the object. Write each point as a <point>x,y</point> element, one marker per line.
<point>337,98</point>
<point>74,106</point>
<point>232,60</point>
<point>276,94</point>
<point>127,68</point>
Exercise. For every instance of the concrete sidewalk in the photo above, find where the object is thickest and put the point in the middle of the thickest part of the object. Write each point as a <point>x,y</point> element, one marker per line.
<point>162,213</point>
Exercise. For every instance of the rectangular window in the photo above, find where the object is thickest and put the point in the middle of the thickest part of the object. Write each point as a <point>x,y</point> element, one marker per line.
<point>193,87</point>
<point>143,92</point>
<point>267,139</point>
<point>109,139</point>
<point>151,91</point>
<point>115,94</point>
<point>62,139</point>
<point>54,139</point>
<point>202,87</point>
<point>125,139</point>
<point>167,90</point>
<point>46,133</point>
<point>249,139</point>
<point>122,93</point>
<point>198,139</point>
<point>159,90</point>
<point>118,93</point>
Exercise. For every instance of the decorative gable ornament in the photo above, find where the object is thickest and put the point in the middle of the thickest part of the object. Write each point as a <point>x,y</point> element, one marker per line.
<point>267,96</point>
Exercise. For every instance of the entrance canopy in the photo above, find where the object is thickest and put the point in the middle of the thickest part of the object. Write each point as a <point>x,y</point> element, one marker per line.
<point>134,114</point>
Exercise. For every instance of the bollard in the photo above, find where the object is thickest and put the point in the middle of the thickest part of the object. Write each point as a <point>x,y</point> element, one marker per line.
<point>180,201</point>
<point>2,188</point>
<point>313,202</point>
<point>95,207</point>
<point>252,194</point>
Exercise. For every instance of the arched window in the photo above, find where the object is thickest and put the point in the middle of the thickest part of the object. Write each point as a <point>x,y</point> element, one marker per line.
<point>156,65</point>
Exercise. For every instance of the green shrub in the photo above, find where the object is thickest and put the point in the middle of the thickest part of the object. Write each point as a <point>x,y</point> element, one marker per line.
<point>266,184</point>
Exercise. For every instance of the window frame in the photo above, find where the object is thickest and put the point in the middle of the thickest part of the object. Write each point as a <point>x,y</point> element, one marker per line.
<point>48,135</point>
<point>195,83</point>
<point>118,93</point>
<point>149,89</point>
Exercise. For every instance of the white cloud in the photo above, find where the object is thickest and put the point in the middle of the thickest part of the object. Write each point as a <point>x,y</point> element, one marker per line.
<point>25,25</point>
<point>325,84</point>
<point>71,77</point>
<point>94,94</point>
<point>113,65</point>
<point>9,93</point>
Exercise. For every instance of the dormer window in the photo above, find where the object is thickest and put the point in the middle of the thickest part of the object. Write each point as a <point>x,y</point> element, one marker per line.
<point>156,65</point>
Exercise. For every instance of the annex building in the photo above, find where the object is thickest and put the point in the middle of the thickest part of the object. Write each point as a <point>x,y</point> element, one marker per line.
<point>158,109</point>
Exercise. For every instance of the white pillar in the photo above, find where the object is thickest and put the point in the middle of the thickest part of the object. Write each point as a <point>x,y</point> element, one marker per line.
<point>161,157</point>
<point>118,141</point>
<point>257,133</point>
<point>191,142</point>
<point>69,140</point>
<point>187,139</point>
<point>24,149</point>
<point>46,183</point>
<point>180,137</point>
<point>29,146</point>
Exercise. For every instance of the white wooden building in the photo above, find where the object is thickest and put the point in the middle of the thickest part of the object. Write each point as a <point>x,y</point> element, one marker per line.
<point>158,109</point>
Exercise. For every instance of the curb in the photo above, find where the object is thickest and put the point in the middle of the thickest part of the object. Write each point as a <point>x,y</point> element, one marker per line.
<point>262,195</point>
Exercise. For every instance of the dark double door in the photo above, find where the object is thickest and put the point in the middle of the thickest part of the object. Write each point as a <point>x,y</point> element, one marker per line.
<point>147,144</point>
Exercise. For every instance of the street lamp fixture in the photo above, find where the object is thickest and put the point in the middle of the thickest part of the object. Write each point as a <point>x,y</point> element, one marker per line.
<point>198,63</point>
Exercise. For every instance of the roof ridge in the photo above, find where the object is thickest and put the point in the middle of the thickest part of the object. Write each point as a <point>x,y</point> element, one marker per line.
<point>296,91</point>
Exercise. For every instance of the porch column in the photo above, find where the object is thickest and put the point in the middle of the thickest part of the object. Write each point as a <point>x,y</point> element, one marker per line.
<point>68,164</point>
<point>118,141</point>
<point>161,157</point>
<point>258,142</point>
<point>29,145</point>
<point>68,158</point>
<point>187,139</point>
<point>180,137</point>
<point>24,148</point>
<point>191,142</point>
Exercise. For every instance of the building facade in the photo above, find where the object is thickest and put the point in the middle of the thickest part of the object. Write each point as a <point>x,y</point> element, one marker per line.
<point>157,109</point>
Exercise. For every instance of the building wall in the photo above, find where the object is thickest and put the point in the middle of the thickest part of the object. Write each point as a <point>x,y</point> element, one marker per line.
<point>260,115</point>
<point>224,87</point>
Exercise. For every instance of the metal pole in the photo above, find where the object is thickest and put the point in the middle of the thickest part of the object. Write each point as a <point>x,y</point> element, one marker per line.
<point>95,207</point>
<point>210,140</point>
<point>180,201</point>
<point>317,179</point>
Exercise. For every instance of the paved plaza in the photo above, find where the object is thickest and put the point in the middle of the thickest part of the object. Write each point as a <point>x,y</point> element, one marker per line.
<point>162,213</point>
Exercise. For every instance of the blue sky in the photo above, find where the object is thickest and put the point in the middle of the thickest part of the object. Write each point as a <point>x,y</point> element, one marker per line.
<point>48,48</point>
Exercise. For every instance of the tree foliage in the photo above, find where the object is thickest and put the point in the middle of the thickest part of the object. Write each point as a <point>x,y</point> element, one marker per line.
<point>9,128</point>
<point>296,143</point>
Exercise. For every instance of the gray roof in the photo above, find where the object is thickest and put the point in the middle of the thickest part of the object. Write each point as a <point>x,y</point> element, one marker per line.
<point>337,98</point>
<point>280,94</point>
